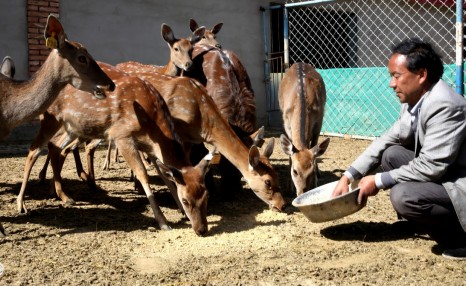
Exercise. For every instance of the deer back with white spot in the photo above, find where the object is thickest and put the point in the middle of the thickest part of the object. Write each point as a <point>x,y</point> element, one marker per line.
<point>302,99</point>
<point>135,117</point>
<point>198,120</point>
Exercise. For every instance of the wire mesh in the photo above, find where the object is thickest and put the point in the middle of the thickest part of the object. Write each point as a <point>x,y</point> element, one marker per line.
<point>349,43</point>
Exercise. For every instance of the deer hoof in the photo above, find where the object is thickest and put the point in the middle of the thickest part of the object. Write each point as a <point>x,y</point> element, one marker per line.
<point>2,232</point>
<point>22,208</point>
<point>165,227</point>
<point>69,202</point>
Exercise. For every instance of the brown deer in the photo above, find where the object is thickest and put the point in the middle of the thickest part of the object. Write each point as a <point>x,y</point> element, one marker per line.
<point>7,67</point>
<point>68,63</point>
<point>136,118</point>
<point>302,100</point>
<point>180,52</point>
<point>198,120</point>
<point>210,36</point>
<point>180,60</point>
<point>228,83</point>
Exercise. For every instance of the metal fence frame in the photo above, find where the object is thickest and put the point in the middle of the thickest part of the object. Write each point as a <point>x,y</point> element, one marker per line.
<point>359,102</point>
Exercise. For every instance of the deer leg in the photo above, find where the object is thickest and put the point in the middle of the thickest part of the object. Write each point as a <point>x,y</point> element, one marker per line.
<point>107,156</point>
<point>57,159</point>
<point>49,127</point>
<point>90,151</point>
<point>171,186</point>
<point>79,165</point>
<point>131,155</point>
<point>43,171</point>
<point>30,161</point>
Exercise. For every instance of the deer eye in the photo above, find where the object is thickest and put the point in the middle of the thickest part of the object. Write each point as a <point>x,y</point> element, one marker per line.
<point>268,183</point>
<point>185,202</point>
<point>176,49</point>
<point>82,59</point>
<point>295,172</point>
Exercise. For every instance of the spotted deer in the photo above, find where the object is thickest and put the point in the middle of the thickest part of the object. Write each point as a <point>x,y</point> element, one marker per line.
<point>180,61</point>
<point>210,36</point>
<point>198,120</point>
<point>302,98</point>
<point>136,118</point>
<point>68,63</point>
<point>180,52</point>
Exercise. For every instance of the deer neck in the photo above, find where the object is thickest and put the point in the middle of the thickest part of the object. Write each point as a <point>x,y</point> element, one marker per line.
<point>31,98</point>
<point>171,69</point>
<point>230,146</point>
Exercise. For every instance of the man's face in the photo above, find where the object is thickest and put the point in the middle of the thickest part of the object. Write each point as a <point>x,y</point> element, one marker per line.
<point>407,85</point>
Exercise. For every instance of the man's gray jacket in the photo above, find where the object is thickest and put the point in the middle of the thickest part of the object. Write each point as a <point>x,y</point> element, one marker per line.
<point>440,146</point>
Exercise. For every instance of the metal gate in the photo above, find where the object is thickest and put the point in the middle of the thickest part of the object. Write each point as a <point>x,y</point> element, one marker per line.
<point>349,43</point>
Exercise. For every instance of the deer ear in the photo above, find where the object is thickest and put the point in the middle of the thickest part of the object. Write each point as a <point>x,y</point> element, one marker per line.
<point>258,137</point>
<point>286,145</point>
<point>320,149</point>
<point>217,28</point>
<point>197,35</point>
<point>54,33</point>
<point>254,157</point>
<point>167,34</point>
<point>269,148</point>
<point>171,173</point>
<point>193,25</point>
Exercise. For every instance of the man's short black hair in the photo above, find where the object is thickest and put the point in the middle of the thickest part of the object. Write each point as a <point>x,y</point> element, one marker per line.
<point>420,54</point>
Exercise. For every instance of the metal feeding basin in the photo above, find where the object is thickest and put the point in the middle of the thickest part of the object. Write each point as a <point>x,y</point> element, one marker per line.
<point>319,206</point>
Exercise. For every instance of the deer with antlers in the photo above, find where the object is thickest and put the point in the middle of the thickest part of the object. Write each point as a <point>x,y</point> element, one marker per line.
<point>68,63</point>
<point>302,100</point>
<point>136,118</point>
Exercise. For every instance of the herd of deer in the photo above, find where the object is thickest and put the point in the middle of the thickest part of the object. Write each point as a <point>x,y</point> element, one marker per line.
<point>167,113</point>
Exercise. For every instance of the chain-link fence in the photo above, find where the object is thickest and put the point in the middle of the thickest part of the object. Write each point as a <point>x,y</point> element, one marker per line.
<point>349,43</point>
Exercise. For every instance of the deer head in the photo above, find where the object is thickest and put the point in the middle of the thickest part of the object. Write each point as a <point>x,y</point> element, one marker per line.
<point>193,200</point>
<point>262,178</point>
<point>210,36</point>
<point>181,49</point>
<point>82,70</point>
<point>8,67</point>
<point>303,163</point>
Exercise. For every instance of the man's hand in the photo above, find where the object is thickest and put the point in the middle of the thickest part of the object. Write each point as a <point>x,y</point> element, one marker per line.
<point>342,187</point>
<point>367,188</point>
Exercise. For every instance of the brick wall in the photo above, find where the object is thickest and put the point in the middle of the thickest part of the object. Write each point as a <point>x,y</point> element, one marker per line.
<point>37,13</point>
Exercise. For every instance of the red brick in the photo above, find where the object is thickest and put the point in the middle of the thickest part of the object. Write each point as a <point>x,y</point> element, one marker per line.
<point>33,8</point>
<point>49,9</point>
<point>38,2</point>
<point>45,52</point>
<point>38,14</point>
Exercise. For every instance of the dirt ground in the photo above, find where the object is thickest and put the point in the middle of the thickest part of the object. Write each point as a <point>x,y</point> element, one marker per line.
<point>111,238</point>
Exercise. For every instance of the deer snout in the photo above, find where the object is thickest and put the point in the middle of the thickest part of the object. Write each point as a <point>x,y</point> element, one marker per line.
<point>278,204</point>
<point>187,65</point>
<point>218,46</point>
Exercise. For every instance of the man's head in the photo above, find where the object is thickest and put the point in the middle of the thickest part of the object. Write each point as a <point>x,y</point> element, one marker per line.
<point>414,67</point>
